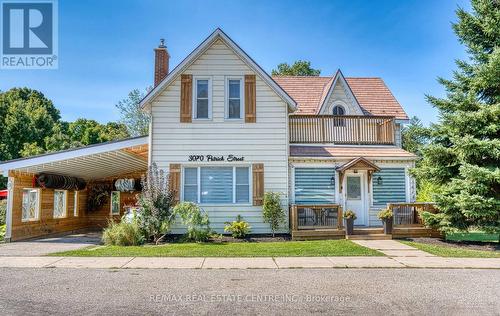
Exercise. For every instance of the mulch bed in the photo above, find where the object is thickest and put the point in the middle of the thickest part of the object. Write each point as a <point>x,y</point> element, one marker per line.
<point>226,239</point>
<point>458,244</point>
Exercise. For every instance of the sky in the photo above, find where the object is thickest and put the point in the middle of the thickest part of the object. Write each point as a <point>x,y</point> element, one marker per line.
<point>106,47</point>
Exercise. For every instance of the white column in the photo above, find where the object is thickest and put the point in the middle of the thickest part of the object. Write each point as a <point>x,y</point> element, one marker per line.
<point>10,204</point>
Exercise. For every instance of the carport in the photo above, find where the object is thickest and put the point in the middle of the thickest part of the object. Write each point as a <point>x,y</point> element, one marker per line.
<point>34,210</point>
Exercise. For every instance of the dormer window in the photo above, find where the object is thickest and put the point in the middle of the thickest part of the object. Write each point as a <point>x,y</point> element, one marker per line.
<point>338,110</point>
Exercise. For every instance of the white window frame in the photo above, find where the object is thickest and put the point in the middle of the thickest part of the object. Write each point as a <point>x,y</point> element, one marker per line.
<point>65,205</point>
<point>111,203</point>
<point>38,205</point>
<point>195,94</point>
<point>242,98</point>
<point>198,175</point>
<point>75,204</point>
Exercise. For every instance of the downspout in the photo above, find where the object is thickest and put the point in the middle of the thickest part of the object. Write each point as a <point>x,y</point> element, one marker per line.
<point>10,204</point>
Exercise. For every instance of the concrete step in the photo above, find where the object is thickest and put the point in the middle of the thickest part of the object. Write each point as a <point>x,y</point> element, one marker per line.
<point>369,237</point>
<point>368,231</point>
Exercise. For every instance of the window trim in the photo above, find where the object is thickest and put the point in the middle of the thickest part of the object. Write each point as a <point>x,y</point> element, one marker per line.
<point>76,205</point>
<point>198,175</point>
<point>38,205</point>
<point>111,203</point>
<point>65,205</point>
<point>195,94</point>
<point>242,98</point>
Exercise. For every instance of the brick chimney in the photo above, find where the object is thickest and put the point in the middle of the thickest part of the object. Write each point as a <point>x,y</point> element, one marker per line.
<point>161,62</point>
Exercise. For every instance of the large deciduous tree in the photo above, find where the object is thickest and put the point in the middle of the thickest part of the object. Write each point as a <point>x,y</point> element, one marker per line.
<point>299,68</point>
<point>136,120</point>
<point>463,157</point>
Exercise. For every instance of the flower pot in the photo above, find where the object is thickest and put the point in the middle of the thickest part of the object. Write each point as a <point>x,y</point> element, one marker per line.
<point>349,226</point>
<point>387,226</point>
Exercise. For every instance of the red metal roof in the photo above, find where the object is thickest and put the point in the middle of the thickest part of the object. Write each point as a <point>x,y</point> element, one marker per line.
<point>372,94</point>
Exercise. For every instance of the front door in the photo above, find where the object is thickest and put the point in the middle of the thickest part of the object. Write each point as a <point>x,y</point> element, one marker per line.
<point>355,197</point>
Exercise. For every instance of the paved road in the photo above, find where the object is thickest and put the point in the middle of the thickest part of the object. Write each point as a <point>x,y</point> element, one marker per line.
<point>251,292</point>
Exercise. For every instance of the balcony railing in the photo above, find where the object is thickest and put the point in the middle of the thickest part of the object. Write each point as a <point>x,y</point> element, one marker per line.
<point>316,217</point>
<point>408,214</point>
<point>346,129</point>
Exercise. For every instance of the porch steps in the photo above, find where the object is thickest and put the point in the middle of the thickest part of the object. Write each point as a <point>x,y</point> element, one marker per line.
<point>414,232</point>
<point>318,234</point>
<point>368,230</point>
<point>369,237</point>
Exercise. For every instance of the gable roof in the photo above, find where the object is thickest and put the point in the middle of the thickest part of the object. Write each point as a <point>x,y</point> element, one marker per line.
<point>372,94</point>
<point>219,34</point>
<point>327,92</point>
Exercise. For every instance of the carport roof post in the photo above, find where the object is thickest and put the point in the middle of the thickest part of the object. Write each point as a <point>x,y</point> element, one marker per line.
<point>85,161</point>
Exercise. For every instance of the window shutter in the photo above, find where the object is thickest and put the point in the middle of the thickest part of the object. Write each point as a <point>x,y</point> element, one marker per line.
<point>175,180</point>
<point>258,183</point>
<point>186,98</point>
<point>250,95</point>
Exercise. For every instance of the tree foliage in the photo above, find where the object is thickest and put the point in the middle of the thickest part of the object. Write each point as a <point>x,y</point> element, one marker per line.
<point>463,157</point>
<point>30,124</point>
<point>414,136</point>
<point>136,120</point>
<point>299,68</point>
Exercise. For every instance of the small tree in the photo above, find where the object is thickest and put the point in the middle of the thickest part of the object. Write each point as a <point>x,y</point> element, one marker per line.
<point>136,120</point>
<point>156,201</point>
<point>272,211</point>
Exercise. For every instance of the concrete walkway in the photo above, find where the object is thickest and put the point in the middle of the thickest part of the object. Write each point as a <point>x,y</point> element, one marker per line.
<point>247,263</point>
<point>393,249</point>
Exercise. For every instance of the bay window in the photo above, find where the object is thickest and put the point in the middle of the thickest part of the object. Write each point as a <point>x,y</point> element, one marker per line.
<point>217,185</point>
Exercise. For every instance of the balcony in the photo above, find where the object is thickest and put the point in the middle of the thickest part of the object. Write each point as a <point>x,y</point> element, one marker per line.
<point>342,130</point>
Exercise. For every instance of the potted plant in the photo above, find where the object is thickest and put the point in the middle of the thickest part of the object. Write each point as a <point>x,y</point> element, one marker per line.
<point>386,216</point>
<point>349,216</point>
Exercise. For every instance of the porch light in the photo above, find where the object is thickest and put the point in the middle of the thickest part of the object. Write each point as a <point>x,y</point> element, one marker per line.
<point>379,180</point>
<point>332,180</point>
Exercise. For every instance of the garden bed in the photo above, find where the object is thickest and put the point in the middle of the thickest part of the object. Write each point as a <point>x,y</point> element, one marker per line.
<point>229,249</point>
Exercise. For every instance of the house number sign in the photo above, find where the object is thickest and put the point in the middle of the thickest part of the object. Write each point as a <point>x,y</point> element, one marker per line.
<point>212,158</point>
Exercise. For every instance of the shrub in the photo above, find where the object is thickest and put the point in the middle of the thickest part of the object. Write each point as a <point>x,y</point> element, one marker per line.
<point>156,201</point>
<point>196,220</point>
<point>3,212</point>
<point>272,211</point>
<point>350,214</point>
<point>427,190</point>
<point>238,228</point>
<point>122,234</point>
<point>385,214</point>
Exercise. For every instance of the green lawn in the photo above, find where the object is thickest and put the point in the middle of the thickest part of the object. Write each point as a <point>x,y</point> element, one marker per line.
<point>473,236</point>
<point>444,251</point>
<point>239,249</point>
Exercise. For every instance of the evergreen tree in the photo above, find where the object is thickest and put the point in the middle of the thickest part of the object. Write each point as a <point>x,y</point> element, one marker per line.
<point>463,156</point>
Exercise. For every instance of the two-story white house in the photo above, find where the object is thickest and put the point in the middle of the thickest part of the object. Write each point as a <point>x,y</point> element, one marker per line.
<point>227,132</point>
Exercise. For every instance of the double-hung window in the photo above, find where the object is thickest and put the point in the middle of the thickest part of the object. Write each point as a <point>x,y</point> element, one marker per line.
<point>217,185</point>
<point>31,204</point>
<point>234,98</point>
<point>202,98</point>
<point>60,199</point>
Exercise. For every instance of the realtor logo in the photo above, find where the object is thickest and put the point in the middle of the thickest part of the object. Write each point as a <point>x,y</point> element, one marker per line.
<point>29,34</point>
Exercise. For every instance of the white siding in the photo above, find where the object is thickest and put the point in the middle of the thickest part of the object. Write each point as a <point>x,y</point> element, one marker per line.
<point>340,96</point>
<point>262,142</point>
